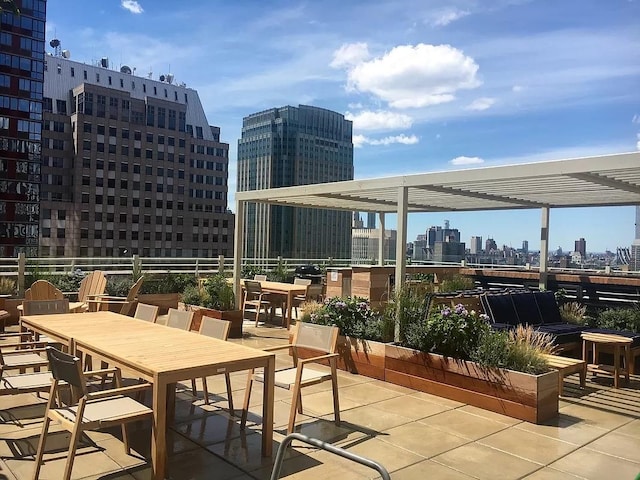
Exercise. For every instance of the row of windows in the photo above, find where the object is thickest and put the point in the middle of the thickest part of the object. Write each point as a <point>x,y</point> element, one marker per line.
<point>22,105</point>
<point>35,48</point>
<point>34,67</point>
<point>35,26</point>
<point>135,219</point>
<point>46,251</point>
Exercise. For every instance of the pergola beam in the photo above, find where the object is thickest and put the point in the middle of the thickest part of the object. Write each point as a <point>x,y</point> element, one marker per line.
<point>607,182</point>
<point>481,196</point>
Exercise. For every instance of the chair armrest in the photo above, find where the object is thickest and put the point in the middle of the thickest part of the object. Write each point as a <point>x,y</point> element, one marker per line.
<point>273,349</point>
<point>315,359</point>
<point>39,346</point>
<point>113,392</point>
<point>99,373</point>
<point>16,334</point>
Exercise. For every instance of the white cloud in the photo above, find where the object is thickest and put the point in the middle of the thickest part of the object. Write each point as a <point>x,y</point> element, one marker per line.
<point>360,140</point>
<point>517,88</point>
<point>462,160</point>
<point>350,54</point>
<point>635,119</point>
<point>481,103</point>
<point>132,5</point>
<point>445,16</point>
<point>355,106</point>
<point>638,142</point>
<point>380,120</point>
<point>415,76</point>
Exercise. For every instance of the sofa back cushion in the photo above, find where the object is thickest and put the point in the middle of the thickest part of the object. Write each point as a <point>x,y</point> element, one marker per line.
<point>500,309</point>
<point>548,307</point>
<point>526,308</point>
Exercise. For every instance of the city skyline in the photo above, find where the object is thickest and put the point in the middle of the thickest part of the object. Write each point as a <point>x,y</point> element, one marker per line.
<point>529,81</point>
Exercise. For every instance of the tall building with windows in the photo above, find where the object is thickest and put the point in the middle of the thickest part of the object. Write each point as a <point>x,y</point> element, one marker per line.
<point>291,146</point>
<point>475,246</point>
<point>22,53</point>
<point>130,165</point>
<point>580,246</point>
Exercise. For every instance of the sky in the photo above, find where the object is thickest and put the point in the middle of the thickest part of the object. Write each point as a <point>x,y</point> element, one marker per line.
<point>430,85</point>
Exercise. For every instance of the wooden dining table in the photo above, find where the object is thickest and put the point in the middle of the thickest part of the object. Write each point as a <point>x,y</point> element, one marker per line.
<point>288,290</point>
<point>161,356</point>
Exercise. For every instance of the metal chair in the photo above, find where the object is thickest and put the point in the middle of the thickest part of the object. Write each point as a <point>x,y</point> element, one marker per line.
<point>320,338</point>
<point>88,410</point>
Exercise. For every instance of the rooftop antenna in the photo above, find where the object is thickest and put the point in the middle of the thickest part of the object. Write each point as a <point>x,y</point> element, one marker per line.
<point>150,74</point>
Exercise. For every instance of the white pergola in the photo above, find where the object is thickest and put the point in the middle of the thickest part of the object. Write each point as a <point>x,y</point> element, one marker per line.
<point>606,180</point>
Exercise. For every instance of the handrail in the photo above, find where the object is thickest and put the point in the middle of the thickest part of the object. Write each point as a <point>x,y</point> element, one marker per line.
<point>277,465</point>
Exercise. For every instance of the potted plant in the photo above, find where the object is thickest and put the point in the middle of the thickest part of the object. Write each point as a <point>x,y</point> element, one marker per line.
<point>164,289</point>
<point>214,297</point>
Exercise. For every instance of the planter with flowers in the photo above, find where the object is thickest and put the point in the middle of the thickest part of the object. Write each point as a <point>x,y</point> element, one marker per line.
<point>360,342</point>
<point>454,354</point>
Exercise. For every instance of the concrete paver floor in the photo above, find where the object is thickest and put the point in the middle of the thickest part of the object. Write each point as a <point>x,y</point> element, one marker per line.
<point>413,434</point>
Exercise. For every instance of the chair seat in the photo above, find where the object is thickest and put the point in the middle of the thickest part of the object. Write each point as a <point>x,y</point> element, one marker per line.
<point>27,382</point>
<point>14,359</point>
<point>287,378</point>
<point>105,410</point>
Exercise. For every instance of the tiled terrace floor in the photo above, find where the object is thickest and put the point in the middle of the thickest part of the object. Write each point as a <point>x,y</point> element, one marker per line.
<point>414,435</point>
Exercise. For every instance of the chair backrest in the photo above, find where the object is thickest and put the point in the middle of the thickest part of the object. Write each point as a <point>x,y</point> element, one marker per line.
<point>127,306</point>
<point>301,281</point>
<point>215,328</point>
<point>251,286</point>
<point>260,278</point>
<point>27,294</point>
<point>314,292</point>
<point>45,307</point>
<point>44,290</point>
<point>180,319</point>
<point>93,284</point>
<point>323,338</point>
<point>146,312</point>
<point>66,368</point>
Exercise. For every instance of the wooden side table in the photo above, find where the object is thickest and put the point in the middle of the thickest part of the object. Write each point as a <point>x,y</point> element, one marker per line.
<point>567,366</point>
<point>615,342</point>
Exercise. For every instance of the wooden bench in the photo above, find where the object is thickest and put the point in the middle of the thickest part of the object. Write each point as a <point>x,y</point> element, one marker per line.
<point>567,366</point>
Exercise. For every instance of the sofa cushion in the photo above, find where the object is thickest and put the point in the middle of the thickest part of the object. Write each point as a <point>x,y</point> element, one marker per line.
<point>562,332</point>
<point>526,308</point>
<point>548,307</point>
<point>500,309</point>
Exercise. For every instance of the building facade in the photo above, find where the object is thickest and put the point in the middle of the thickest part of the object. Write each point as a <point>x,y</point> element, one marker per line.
<point>130,166</point>
<point>475,247</point>
<point>22,52</point>
<point>580,247</point>
<point>292,146</point>
<point>365,244</point>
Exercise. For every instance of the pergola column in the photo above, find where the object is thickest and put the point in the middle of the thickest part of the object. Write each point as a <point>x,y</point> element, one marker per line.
<point>544,247</point>
<point>238,243</point>
<point>381,242</point>
<point>401,245</point>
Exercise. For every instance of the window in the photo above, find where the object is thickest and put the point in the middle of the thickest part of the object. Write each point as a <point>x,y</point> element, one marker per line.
<point>62,214</point>
<point>60,233</point>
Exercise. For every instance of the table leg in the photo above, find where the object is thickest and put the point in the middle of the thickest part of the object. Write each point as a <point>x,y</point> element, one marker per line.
<point>616,366</point>
<point>289,305</point>
<point>627,361</point>
<point>267,406</point>
<point>159,429</point>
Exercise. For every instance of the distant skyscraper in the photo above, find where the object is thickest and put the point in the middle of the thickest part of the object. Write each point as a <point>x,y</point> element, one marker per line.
<point>490,244</point>
<point>439,234</point>
<point>371,220</point>
<point>476,245</point>
<point>291,146</point>
<point>525,246</point>
<point>365,243</point>
<point>21,78</point>
<point>581,247</point>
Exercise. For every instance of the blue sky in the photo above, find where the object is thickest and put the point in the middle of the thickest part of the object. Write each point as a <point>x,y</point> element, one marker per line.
<point>430,84</point>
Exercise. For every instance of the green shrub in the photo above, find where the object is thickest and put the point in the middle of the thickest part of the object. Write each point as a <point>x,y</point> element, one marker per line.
<point>521,350</point>
<point>409,306</point>
<point>219,292</point>
<point>193,295</point>
<point>453,332</point>
<point>456,283</point>
<point>281,273</point>
<point>353,315</point>
<point>7,286</point>
<point>69,282</point>
<point>249,271</point>
<point>620,319</point>
<point>573,312</point>
<point>118,287</point>
<point>167,283</point>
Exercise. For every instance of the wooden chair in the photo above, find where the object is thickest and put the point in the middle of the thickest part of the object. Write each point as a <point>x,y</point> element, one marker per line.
<point>88,411</point>
<point>215,328</point>
<point>91,286</point>
<point>146,312</point>
<point>45,307</point>
<point>255,297</point>
<point>127,303</point>
<point>308,336</point>
<point>180,319</point>
<point>44,290</point>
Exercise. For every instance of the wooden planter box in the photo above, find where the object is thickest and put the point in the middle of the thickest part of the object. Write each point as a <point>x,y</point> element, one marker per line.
<point>164,301</point>
<point>533,398</point>
<point>364,357</point>
<point>233,316</point>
